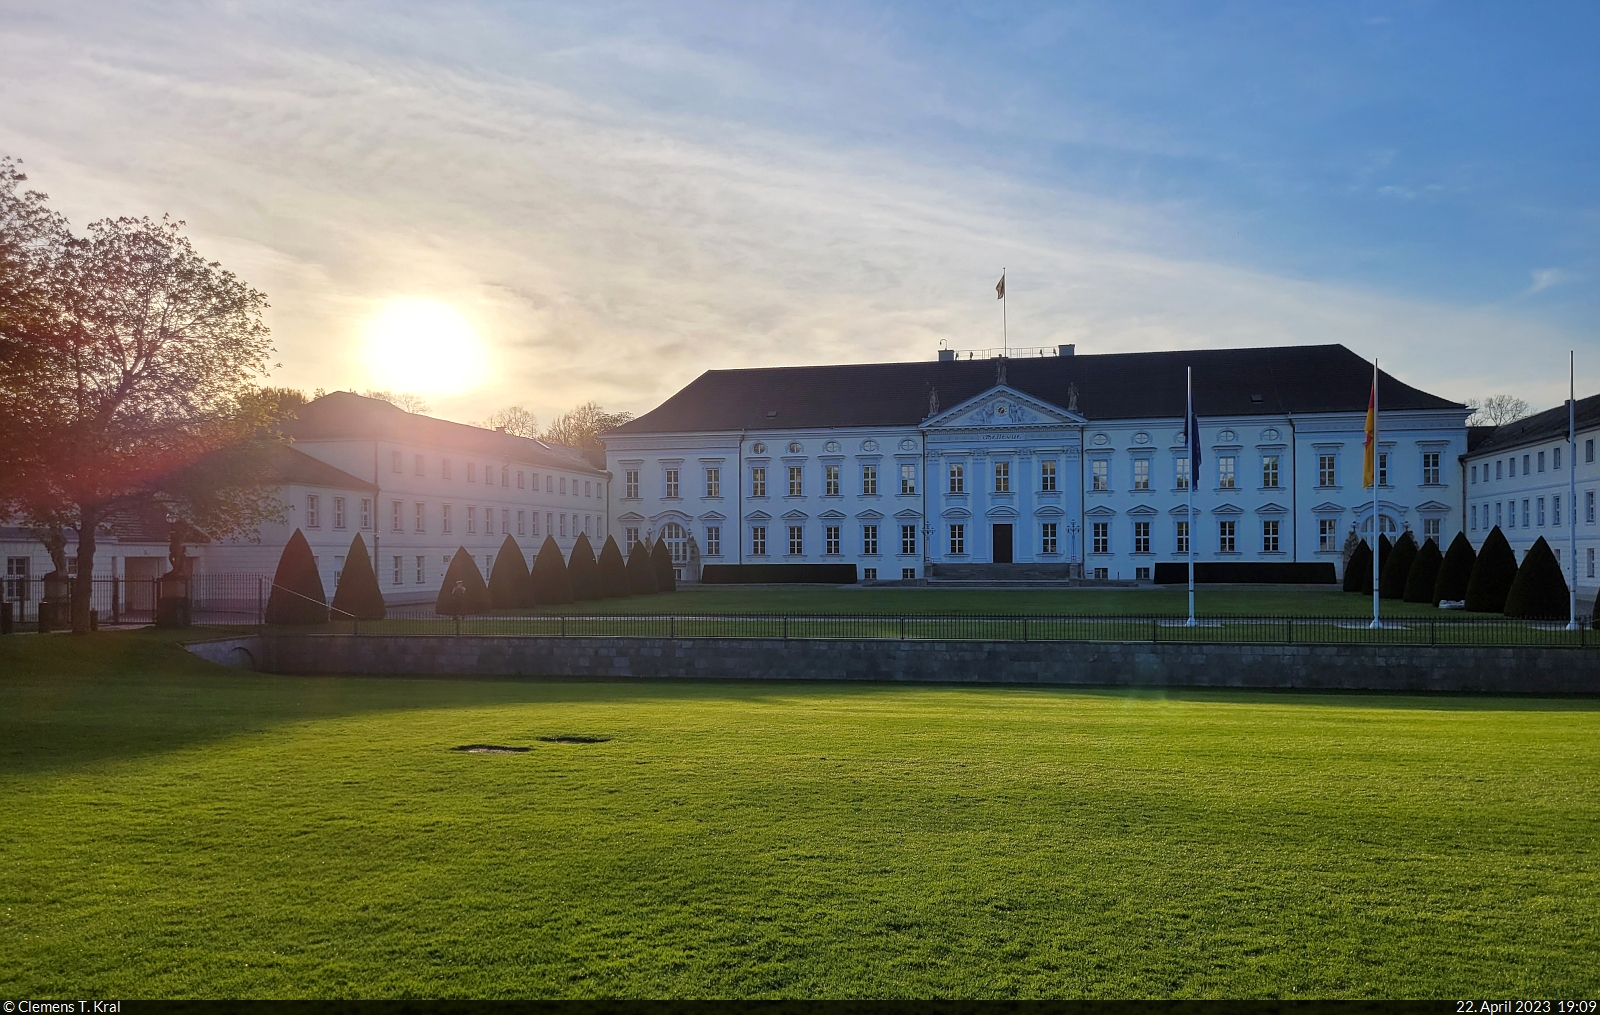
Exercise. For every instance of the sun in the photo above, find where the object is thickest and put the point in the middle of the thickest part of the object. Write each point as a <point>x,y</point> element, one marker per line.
<point>424,346</point>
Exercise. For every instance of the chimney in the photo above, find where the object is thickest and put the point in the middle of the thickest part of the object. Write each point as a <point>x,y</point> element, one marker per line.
<point>499,429</point>
<point>1066,350</point>
<point>947,355</point>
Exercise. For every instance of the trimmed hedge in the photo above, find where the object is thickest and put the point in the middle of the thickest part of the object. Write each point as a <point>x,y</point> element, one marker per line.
<point>641,570</point>
<point>1358,573</point>
<point>551,583</point>
<point>613,571</point>
<point>358,594</point>
<point>661,560</point>
<point>1424,572</point>
<point>1492,575</point>
<point>508,579</point>
<point>1594,613</point>
<point>1248,573</point>
<point>297,596</point>
<point>1539,591</point>
<point>1384,549</point>
<point>1456,571</point>
<point>464,569</point>
<point>584,571</point>
<point>1392,583</point>
<point>778,574</point>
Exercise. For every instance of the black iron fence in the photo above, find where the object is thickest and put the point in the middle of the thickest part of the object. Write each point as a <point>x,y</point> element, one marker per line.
<point>205,599</point>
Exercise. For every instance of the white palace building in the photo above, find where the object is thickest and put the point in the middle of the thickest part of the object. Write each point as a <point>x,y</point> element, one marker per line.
<point>1074,465</point>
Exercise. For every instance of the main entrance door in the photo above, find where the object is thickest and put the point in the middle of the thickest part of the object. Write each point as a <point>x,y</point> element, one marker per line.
<point>1002,544</point>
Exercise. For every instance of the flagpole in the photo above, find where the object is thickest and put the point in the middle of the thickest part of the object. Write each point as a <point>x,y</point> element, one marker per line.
<point>1005,333</point>
<point>1377,519</point>
<point>1193,443</point>
<point>1572,487</point>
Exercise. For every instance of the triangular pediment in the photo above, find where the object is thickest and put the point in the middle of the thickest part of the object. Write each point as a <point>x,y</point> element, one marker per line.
<point>1002,406</point>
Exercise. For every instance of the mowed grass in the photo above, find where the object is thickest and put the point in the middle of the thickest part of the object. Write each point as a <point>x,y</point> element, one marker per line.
<point>176,829</point>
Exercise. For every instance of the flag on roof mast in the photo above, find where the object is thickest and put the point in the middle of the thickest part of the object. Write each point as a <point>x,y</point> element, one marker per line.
<point>1000,287</point>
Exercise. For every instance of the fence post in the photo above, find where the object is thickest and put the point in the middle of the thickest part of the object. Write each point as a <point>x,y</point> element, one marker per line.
<point>902,629</point>
<point>785,628</point>
<point>116,602</point>
<point>563,625</point>
<point>672,628</point>
<point>1024,628</point>
<point>1288,631</point>
<point>261,613</point>
<point>1155,632</point>
<point>1433,632</point>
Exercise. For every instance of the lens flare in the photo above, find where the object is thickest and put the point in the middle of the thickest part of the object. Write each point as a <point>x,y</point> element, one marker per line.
<point>424,346</point>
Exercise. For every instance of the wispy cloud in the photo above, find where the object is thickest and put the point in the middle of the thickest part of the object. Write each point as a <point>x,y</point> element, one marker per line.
<point>1544,278</point>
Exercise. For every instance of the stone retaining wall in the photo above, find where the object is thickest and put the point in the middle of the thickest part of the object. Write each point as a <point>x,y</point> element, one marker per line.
<point>1309,667</point>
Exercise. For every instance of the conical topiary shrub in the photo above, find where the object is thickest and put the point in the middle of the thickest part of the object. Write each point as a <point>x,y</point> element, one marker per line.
<point>297,596</point>
<point>1492,575</point>
<point>1392,584</point>
<point>1594,613</point>
<point>464,569</point>
<point>613,571</point>
<point>358,594</point>
<point>1358,573</point>
<point>641,570</point>
<point>1539,592</point>
<point>551,584</point>
<point>1456,571</point>
<point>508,579</point>
<point>1384,549</point>
<point>661,558</point>
<point>1424,572</point>
<point>584,571</point>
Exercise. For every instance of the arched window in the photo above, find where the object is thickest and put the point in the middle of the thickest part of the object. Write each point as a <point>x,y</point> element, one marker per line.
<point>677,542</point>
<point>1388,523</point>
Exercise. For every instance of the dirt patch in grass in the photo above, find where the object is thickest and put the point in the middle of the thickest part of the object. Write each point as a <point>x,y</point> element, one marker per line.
<point>490,749</point>
<point>572,738</point>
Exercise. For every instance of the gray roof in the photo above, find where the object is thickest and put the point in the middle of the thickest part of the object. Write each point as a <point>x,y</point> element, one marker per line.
<point>1541,427</point>
<point>1227,382</point>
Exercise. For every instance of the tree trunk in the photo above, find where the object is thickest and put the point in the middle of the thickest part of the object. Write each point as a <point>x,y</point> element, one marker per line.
<point>83,584</point>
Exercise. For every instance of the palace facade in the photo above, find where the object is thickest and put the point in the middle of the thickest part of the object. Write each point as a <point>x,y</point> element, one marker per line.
<point>1066,461</point>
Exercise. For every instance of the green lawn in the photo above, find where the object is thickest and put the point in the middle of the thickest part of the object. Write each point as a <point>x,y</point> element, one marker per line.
<point>176,829</point>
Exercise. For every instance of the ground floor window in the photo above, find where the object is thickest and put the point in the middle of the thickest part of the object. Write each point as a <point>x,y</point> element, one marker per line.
<point>1183,537</point>
<point>1102,537</point>
<point>958,539</point>
<point>869,540</point>
<point>831,541</point>
<point>1430,530</point>
<point>16,588</point>
<point>1141,537</point>
<point>797,540</point>
<point>1227,536</point>
<point>422,569</point>
<point>758,540</point>
<point>908,574</point>
<point>630,535</point>
<point>908,539</point>
<point>1047,537</point>
<point>869,574</point>
<point>1591,562</point>
<point>713,540</point>
<point>677,538</point>
<point>1142,573</point>
<point>1102,573</point>
<point>1327,534</point>
<point>1269,535</point>
<point>397,570</point>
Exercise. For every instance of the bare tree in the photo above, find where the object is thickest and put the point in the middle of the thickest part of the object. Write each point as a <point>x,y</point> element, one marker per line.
<point>400,400</point>
<point>126,370</point>
<point>1496,410</point>
<point>513,420</point>
<point>581,428</point>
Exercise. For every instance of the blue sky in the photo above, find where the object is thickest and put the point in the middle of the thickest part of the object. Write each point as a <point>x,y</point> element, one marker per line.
<point>619,196</point>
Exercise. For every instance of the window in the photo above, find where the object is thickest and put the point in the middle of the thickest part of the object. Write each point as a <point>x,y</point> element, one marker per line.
<point>422,569</point>
<point>1183,536</point>
<point>1226,536</point>
<point>366,512</point>
<point>444,518</point>
<point>444,468</point>
<point>958,478</point>
<point>758,540</point>
<point>1141,537</point>
<point>521,480</point>
<point>958,538</point>
<point>1588,458</point>
<point>394,516</point>
<point>797,540</point>
<point>1524,512</point>
<point>505,476</point>
<point>550,483</point>
<point>1556,458</point>
<point>1269,535</point>
<point>713,482</point>
<point>1383,468</point>
<point>472,472</point>
<point>1499,471</point>
<point>472,519</point>
<point>1474,475</point>
<point>1047,475</point>
<point>669,483</point>
<point>869,480</point>
<point>563,525</point>
<point>1100,471</point>
<point>869,574</point>
<point>396,579</point>
<point>830,480</point>
<point>1497,518</point>
<point>1269,471</point>
<point>1327,534</point>
<point>908,478</point>
<point>908,574</point>
<point>1102,537</point>
<point>563,486</point>
<point>758,481</point>
<point>797,481</point>
<point>1591,562</point>
<point>673,534</point>
<point>1047,537</point>
<point>1541,461</point>
<point>1555,510</point>
<point>1102,573</point>
<point>549,522</point>
<point>1141,473</point>
<point>1430,530</point>
<point>394,462</point>
<point>713,540</point>
<point>522,524</point>
<point>908,539</point>
<point>1141,574</point>
<point>630,484</point>
<point>830,539</point>
<point>1474,510</point>
<point>422,517</point>
<point>1525,464</point>
<point>421,471</point>
<point>338,512</point>
<point>1225,472</point>
<point>1588,506</point>
<point>869,540</point>
<point>17,574</point>
<point>1002,477</point>
<point>313,502</point>
<point>1180,469</point>
<point>630,536</point>
<point>1541,512</point>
